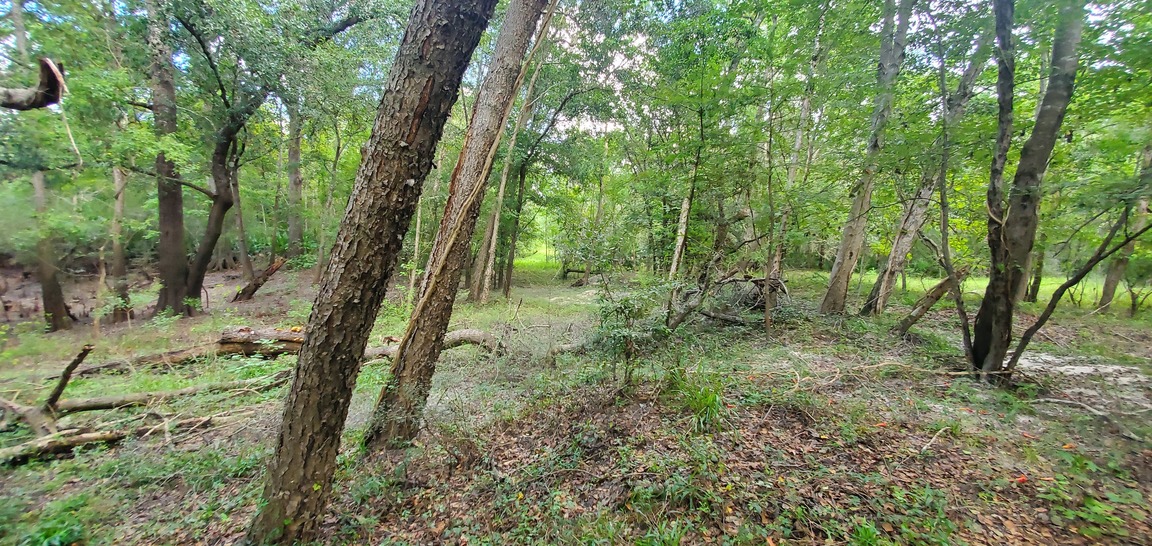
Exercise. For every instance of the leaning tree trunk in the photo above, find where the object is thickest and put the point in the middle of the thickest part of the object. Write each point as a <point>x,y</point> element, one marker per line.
<point>489,272</point>
<point>55,307</point>
<point>893,39</point>
<point>916,214</point>
<point>123,308</point>
<point>1119,263</point>
<point>396,418</point>
<point>170,249</point>
<point>295,185</point>
<point>1011,233</point>
<point>221,202</point>
<point>421,88</point>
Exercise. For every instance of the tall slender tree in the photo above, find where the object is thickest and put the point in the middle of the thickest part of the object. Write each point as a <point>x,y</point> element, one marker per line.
<point>894,36</point>
<point>1012,231</point>
<point>396,418</point>
<point>421,88</point>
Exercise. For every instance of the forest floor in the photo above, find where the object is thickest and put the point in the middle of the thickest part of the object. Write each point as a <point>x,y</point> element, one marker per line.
<point>829,431</point>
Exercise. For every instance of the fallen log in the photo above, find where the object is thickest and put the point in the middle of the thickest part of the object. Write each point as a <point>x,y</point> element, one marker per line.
<point>64,407</point>
<point>63,443</point>
<point>269,343</point>
<point>248,291</point>
<point>453,339</point>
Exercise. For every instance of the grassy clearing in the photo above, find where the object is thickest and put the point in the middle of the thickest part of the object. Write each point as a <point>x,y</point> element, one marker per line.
<point>829,431</point>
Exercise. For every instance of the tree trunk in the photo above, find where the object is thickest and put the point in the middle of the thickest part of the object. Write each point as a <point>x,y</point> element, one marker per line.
<point>16,14</point>
<point>893,39</point>
<point>510,261</point>
<point>396,418</point>
<point>123,308</point>
<point>221,202</point>
<point>1011,233</point>
<point>242,239</point>
<point>925,304</point>
<point>526,110</point>
<point>423,84</point>
<point>1037,275</point>
<point>170,249</point>
<point>916,213</point>
<point>56,313</point>
<point>1119,263</point>
<point>295,185</point>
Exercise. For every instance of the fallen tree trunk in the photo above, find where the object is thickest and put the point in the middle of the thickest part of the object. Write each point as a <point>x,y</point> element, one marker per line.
<point>58,444</point>
<point>269,343</point>
<point>65,407</point>
<point>42,420</point>
<point>250,290</point>
<point>452,339</point>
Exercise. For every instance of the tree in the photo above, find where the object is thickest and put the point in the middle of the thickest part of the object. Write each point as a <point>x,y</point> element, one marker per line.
<point>1012,232</point>
<point>170,248</point>
<point>421,88</point>
<point>894,37</point>
<point>395,421</point>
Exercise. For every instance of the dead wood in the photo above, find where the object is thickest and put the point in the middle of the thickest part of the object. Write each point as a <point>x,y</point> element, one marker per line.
<point>250,290</point>
<point>65,407</point>
<point>46,93</point>
<point>455,338</point>
<point>50,402</point>
<point>924,304</point>
<point>65,442</point>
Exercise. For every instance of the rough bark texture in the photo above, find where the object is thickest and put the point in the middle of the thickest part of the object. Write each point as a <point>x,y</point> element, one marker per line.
<point>397,415</point>
<point>1011,233</point>
<point>895,33</point>
<point>1037,272</point>
<point>421,88</point>
<point>46,93</point>
<point>170,249</point>
<point>123,308</point>
<point>295,185</point>
<point>916,213</point>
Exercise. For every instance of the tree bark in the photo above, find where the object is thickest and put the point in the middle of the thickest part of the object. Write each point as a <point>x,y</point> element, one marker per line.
<point>46,93</point>
<point>893,39</point>
<point>510,261</point>
<point>242,239</point>
<point>56,313</point>
<point>1037,274</point>
<point>123,308</point>
<point>170,248</point>
<point>925,304</point>
<point>295,184</point>
<point>526,109</point>
<point>422,85</point>
<point>1119,263</point>
<point>396,418</point>
<point>1011,233</point>
<point>916,213</point>
<point>248,291</point>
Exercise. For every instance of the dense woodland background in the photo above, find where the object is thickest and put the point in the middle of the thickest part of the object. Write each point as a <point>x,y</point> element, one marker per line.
<point>659,170</point>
